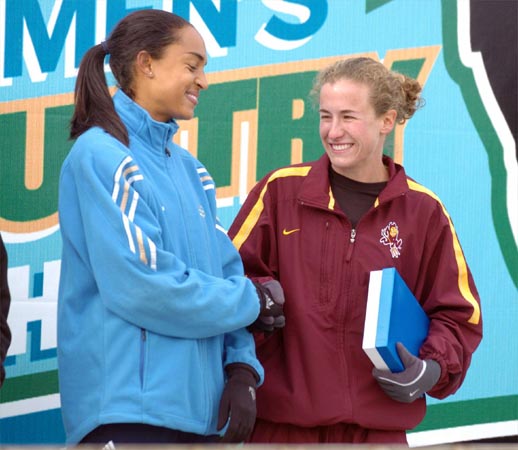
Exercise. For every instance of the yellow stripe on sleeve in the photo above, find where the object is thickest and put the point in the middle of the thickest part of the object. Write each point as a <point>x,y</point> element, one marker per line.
<point>257,209</point>
<point>463,282</point>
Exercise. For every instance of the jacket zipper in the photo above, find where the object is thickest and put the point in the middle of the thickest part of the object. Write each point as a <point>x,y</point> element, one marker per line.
<point>167,152</point>
<point>352,239</point>
<point>143,339</point>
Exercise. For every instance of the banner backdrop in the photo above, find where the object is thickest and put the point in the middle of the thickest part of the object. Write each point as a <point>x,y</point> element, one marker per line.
<point>256,116</point>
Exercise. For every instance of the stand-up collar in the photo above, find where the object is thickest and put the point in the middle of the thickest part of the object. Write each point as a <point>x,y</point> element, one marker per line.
<point>157,135</point>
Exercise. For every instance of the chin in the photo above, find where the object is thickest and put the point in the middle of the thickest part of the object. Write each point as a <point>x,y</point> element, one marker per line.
<point>341,161</point>
<point>184,116</point>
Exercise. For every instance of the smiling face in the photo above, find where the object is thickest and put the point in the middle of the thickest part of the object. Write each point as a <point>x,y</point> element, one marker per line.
<point>351,133</point>
<point>169,87</point>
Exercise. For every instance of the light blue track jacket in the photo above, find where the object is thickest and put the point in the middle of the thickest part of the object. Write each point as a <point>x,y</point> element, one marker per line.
<point>152,298</point>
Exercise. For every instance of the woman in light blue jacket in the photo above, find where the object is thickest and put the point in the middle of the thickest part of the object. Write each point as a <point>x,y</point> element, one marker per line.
<point>153,304</point>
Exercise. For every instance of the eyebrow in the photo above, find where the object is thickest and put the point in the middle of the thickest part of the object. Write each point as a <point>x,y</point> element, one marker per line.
<point>199,56</point>
<point>342,111</point>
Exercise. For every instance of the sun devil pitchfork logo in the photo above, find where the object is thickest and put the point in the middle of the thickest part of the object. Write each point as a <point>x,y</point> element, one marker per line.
<point>389,236</point>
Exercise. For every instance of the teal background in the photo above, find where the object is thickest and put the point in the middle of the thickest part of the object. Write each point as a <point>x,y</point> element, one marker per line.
<point>443,151</point>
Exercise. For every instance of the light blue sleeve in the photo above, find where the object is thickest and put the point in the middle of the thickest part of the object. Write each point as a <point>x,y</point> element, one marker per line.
<point>137,279</point>
<point>240,347</point>
<point>239,344</point>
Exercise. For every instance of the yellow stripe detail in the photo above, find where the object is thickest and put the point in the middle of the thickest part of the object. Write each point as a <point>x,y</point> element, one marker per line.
<point>257,209</point>
<point>463,282</point>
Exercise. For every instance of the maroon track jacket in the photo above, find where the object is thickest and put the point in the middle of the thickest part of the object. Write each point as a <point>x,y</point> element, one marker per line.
<point>290,228</point>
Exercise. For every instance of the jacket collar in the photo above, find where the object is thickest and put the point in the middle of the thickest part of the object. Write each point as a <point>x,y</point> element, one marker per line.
<point>316,189</point>
<point>156,135</point>
<point>397,184</point>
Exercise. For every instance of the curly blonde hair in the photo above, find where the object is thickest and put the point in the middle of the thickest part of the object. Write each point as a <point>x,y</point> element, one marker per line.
<point>388,89</point>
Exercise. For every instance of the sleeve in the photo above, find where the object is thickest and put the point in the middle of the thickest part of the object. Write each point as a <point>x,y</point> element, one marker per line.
<point>239,344</point>
<point>137,278</point>
<point>253,234</point>
<point>5,301</point>
<point>240,348</point>
<point>452,303</point>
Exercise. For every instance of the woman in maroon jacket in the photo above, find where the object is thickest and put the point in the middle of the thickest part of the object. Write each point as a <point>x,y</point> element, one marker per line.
<point>319,228</point>
<point>5,301</point>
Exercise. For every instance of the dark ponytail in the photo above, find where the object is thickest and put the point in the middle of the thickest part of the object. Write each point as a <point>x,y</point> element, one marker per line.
<point>93,101</point>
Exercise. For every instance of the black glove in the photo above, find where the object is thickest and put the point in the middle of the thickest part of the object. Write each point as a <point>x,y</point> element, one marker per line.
<point>237,405</point>
<point>418,377</point>
<point>271,315</point>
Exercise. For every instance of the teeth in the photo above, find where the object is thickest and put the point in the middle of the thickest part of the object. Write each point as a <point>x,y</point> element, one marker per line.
<point>341,146</point>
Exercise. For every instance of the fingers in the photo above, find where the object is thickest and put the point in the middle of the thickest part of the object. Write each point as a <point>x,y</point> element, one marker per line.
<point>405,379</point>
<point>271,307</point>
<point>240,423</point>
<point>271,297</point>
<point>237,431</point>
<point>271,316</point>
<point>406,357</point>
<point>267,324</point>
<point>262,323</point>
<point>238,402</point>
<point>279,322</point>
<point>276,291</point>
<point>405,386</point>
<point>224,409</point>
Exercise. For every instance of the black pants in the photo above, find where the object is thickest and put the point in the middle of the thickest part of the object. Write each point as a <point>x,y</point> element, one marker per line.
<point>137,433</point>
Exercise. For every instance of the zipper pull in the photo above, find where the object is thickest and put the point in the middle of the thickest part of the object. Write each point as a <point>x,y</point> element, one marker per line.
<point>352,238</point>
<point>167,152</point>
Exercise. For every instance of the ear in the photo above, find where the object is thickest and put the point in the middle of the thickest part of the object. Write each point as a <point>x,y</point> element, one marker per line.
<point>388,121</point>
<point>143,64</point>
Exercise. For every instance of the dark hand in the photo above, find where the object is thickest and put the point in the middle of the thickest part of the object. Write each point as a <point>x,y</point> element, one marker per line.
<point>237,405</point>
<point>271,315</point>
<point>418,377</point>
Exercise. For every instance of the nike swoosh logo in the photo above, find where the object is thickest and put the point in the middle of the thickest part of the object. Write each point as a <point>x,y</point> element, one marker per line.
<point>413,392</point>
<point>286,232</point>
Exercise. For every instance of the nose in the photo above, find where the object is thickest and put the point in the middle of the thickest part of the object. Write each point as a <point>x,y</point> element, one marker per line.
<point>201,81</point>
<point>335,129</point>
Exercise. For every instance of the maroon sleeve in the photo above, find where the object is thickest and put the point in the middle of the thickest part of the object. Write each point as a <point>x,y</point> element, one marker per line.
<point>452,303</point>
<point>253,234</point>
